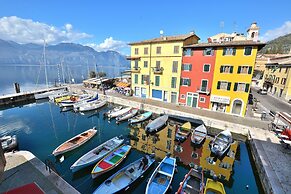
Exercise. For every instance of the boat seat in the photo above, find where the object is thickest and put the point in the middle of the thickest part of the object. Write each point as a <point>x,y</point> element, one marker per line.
<point>107,161</point>
<point>164,173</point>
<point>118,154</point>
<point>129,174</point>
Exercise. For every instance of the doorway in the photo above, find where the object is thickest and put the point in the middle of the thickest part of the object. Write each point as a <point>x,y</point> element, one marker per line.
<point>237,107</point>
<point>192,99</point>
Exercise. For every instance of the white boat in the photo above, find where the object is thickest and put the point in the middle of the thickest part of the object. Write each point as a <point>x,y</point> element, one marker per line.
<point>198,134</point>
<point>49,93</point>
<point>132,112</point>
<point>156,124</point>
<point>92,105</point>
<point>75,142</point>
<point>119,112</point>
<point>77,105</point>
<point>97,153</point>
<point>221,143</point>
<point>140,118</point>
<point>74,100</point>
<point>8,142</point>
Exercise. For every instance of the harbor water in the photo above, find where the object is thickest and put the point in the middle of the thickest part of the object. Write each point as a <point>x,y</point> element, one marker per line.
<point>40,127</point>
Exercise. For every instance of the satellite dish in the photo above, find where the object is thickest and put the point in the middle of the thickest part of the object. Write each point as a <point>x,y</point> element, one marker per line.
<point>161,32</point>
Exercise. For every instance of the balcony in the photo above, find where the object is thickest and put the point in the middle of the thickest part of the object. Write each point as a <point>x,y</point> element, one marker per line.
<point>132,58</point>
<point>203,90</point>
<point>135,70</point>
<point>158,70</point>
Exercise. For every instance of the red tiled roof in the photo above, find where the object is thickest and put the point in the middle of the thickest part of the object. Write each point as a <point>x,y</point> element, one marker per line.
<point>231,43</point>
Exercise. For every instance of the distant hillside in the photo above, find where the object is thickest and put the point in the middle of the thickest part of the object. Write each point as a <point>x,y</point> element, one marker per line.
<point>70,53</point>
<point>280,45</point>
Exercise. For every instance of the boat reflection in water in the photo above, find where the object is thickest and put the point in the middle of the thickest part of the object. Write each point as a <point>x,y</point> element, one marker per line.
<point>186,152</point>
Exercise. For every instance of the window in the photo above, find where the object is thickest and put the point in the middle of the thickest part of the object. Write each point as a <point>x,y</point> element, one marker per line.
<point>204,84</point>
<point>286,70</point>
<point>185,81</point>
<point>283,81</point>
<point>175,67</point>
<point>223,85</point>
<point>146,51</point>
<point>173,82</point>
<point>157,80</point>
<point>226,69</point>
<point>229,51</point>
<point>244,69</point>
<point>145,79</point>
<point>145,64</point>
<point>183,96</point>
<point>248,50</point>
<point>280,69</point>
<point>206,67</point>
<point>187,52</point>
<point>169,144</point>
<point>208,52</point>
<point>202,99</point>
<point>186,67</point>
<point>176,49</point>
<point>158,64</point>
<point>169,133</point>
<point>135,64</point>
<point>277,79</point>
<point>173,97</point>
<point>159,50</point>
<point>136,79</point>
<point>136,51</point>
<point>241,87</point>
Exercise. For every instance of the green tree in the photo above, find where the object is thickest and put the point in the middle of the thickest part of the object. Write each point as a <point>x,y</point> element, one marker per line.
<point>92,74</point>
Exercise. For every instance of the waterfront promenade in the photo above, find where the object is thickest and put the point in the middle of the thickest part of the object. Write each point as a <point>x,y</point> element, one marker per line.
<point>271,158</point>
<point>23,168</point>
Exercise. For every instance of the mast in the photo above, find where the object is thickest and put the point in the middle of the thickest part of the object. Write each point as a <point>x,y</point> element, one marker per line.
<point>44,62</point>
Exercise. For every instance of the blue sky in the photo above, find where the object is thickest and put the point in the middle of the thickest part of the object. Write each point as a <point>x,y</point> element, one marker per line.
<point>111,24</point>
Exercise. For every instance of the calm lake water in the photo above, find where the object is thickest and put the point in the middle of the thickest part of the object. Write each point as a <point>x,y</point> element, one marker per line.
<point>31,77</point>
<point>41,127</point>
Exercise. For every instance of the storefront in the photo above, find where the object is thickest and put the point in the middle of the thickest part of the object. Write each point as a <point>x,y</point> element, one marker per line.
<point>219,103</point>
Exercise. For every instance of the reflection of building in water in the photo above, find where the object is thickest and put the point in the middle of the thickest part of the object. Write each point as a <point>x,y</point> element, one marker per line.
<point>160,143</point>
<point>187,153</point>
<point>221,168</point>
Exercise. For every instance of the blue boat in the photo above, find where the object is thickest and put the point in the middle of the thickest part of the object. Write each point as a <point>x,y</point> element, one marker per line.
<point>140,118</point>
<point>124,178</point>
<point>162,177</point>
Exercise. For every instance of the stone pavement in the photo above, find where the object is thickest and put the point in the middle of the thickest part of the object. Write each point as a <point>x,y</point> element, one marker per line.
<point>23,168</point>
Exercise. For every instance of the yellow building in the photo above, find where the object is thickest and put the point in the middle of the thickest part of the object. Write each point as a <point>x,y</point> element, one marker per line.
<point>156,66</point>
<point>277,77</point>
<point>232,77</point>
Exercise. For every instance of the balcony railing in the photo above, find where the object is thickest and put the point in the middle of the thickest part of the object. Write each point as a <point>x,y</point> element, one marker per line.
<point>135,69</point>
<point>203,90</point>
<point>158,70</point>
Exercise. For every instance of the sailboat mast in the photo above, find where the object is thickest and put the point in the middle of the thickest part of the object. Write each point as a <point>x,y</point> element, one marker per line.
<point>44,62</point>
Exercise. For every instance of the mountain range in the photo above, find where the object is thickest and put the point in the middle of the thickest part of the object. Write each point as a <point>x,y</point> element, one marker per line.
<point>281,45</point>
<point>68,53</point>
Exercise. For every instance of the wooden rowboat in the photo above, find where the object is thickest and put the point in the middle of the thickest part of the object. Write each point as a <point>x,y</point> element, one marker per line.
<point>97,153</point>
<point>75,142</point>
<point>124,178</point>
<point>198,134</point>
<point>161,179</point>
<point>215,187</point>
<point>192,183</point>
<point>110,161</point>
<point>183,132</point>
<point>140,118</point>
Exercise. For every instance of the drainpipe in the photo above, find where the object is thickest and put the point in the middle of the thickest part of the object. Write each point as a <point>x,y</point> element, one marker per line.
<point>150,68</point>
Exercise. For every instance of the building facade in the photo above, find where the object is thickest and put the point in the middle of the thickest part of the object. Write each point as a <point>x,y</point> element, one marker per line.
<point>277,77</point>
<point>156,66</point>
<point>196,76</point>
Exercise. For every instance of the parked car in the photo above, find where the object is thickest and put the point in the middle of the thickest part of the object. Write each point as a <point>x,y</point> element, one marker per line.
<point>262,91</point>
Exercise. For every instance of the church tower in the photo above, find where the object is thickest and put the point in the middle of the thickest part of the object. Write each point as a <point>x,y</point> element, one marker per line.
<point>253,32</point>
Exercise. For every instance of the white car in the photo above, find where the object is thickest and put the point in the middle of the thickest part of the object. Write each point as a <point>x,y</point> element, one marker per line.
<point>262,91</point>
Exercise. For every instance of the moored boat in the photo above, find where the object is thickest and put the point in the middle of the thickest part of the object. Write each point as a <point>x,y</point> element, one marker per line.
<point>97,153</point>
<point>198,134</point>
<point>221,143</point>
<point>192,183</point>
<point>48,93</point>
<point>125,177</point>
<point>53,97</point>
<point>117,108</point>
<point>8,142</point>
<point>118,113</point>
<point>162,177</point>
<point>74,99</point>
<point>140,118</point>
<point>75,142</point>
<point>214,187</point>
<point>183,132</point>
<point>92,105</point>
<point>90,100</point>
<point>110,161</point>
<point>156,124</point>
<point>132,112</point>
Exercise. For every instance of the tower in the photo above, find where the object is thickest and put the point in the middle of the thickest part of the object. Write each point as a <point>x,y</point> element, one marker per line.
<point>253,32</point>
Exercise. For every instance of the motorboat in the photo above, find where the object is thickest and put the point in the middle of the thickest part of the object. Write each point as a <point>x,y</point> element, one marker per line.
<point>183,132</point>
<point>156,124</point>
<point>8,142</point>
<point>198,134</point>
<point>140,118</point>
<point>90,100</point>
<point>74,99</point>
<point>118,113</point>
<point>92,105</point>
<point>132,112</point>
<point>221,143</point>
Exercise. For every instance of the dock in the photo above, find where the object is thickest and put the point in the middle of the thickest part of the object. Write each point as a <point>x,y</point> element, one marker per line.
<point>21,97</point>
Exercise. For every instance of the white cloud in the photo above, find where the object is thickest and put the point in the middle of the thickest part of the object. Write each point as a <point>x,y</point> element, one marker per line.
<point>108,44</point>
<point>28,31</point>
<point>275,33</point>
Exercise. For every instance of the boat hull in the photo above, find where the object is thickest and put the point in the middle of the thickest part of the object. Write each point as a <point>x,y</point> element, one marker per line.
<point>156,124</point>
<point>144,118</point>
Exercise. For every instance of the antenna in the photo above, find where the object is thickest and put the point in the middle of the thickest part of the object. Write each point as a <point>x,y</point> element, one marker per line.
<point>221,25</point>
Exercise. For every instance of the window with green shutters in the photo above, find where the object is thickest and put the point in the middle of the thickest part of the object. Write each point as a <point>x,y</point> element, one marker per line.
<point>226,69</point>
<point>157,80</point>
<point>244,69</point>
<point>223,85</point>
<point>248,50</point>
<point>241,87</point>
<point>174,82</point>
<point>136,79</point>
<point>229,51</point>
<point>185,82</point>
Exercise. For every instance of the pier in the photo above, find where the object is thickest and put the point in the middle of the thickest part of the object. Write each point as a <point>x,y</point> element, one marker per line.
<point>21,97</point>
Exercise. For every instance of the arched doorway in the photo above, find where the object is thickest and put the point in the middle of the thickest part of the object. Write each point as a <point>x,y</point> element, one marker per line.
<point>237,106</point>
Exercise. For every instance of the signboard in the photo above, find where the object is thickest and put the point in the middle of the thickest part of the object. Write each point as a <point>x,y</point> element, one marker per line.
<point>220,99</point>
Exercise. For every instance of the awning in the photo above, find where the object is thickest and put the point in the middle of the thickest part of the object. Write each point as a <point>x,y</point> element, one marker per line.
<point>122,84</point>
